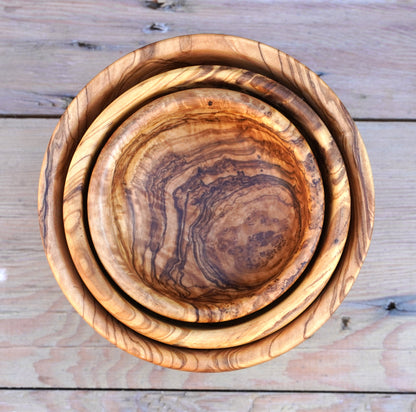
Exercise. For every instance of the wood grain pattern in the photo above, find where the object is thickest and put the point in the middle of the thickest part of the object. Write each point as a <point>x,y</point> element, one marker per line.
<point>337,210</point>
<point>55,39</point>
<point>207,401</point>
<point>182,51</point>
<point>45,343</point>
<point>206,205</point>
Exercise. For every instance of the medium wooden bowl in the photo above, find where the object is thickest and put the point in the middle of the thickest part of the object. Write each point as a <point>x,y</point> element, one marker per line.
<point>151,60</point>
<point>282,312</point>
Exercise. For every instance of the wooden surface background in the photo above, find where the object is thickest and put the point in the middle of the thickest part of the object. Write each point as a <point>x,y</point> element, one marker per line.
<point>364,358</point>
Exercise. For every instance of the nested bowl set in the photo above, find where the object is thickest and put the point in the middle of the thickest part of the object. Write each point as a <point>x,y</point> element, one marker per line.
<point>206,203</point>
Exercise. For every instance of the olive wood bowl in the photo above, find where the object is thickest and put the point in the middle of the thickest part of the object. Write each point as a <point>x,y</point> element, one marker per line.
<point>285,310</point>
<point>179,52</point>
<point>206,205</point>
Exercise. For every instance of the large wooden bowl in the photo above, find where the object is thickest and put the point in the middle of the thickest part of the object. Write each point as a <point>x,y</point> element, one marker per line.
<point>144,63</point>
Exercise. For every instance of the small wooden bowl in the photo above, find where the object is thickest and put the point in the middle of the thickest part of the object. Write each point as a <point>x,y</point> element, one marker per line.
<point>206,205</point>
<point>147,62</point>
<point>332,240</point>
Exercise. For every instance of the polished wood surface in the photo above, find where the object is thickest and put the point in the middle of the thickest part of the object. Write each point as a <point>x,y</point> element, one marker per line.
<point>363,50</point>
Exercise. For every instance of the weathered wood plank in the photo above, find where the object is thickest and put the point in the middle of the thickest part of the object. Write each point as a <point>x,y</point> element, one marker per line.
<point>368,345</point>
<point>144,401</point>
<point>106,367</point>
<point>365,52</point>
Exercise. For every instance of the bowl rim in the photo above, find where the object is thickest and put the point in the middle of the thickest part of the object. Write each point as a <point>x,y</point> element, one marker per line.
<point>182,51</point>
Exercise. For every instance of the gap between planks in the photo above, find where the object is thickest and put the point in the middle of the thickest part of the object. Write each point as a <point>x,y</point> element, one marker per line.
<point>175,390</point>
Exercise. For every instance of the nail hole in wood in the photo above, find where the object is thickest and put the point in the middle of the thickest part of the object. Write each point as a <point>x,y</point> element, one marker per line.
<point>160,27</point>
<point>345,320</point>
<point>164,4</point>
<point>86,45</point>
<point>391,305</point>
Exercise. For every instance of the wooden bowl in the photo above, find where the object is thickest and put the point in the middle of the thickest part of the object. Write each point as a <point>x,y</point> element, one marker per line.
<point>206,205</point>
<point>179,52</point>
<point>332,241</point>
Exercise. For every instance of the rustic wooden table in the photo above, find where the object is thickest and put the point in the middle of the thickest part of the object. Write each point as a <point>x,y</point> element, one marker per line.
<point>364,358</point>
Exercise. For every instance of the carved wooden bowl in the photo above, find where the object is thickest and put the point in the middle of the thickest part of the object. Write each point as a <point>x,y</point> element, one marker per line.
<point>282,311</point>
<point>101,272</point>
<point>206,205</point>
